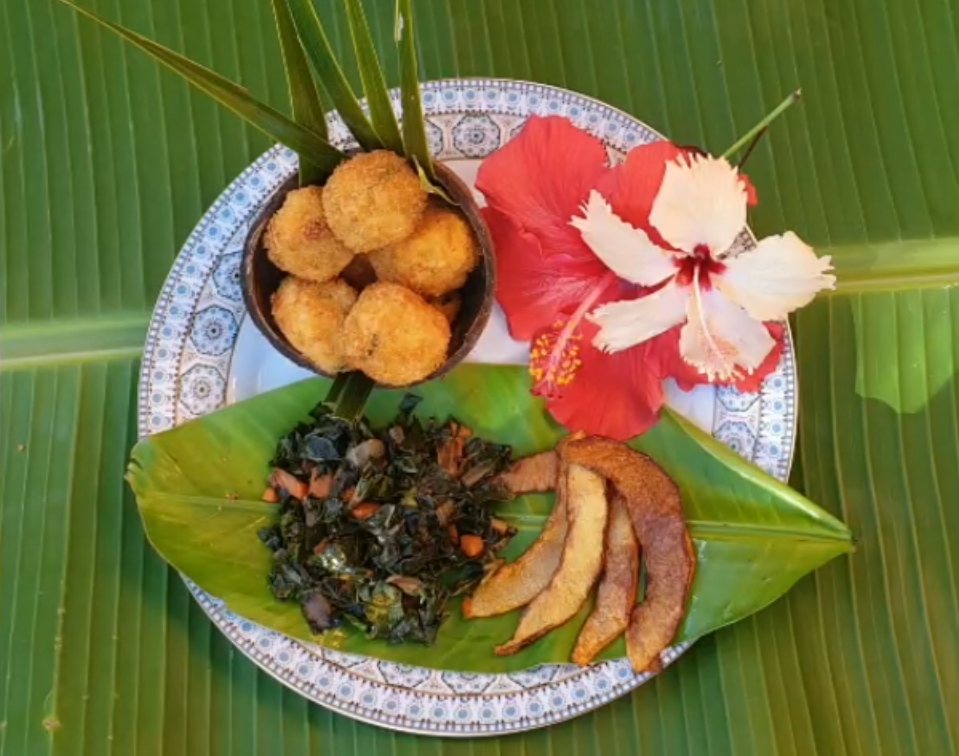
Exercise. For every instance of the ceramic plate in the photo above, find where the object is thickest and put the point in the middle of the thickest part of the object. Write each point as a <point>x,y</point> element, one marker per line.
<point>203,352</point>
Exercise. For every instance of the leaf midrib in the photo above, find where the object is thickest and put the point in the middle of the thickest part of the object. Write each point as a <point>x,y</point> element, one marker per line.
<point>700,529</point>
<point>886,266</point>
<point>713,531</point>
<point>71,340</point>
<point>895,265</point>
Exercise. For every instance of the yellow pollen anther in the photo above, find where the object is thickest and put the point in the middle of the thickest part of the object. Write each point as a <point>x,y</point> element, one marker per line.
<point>554,358</point>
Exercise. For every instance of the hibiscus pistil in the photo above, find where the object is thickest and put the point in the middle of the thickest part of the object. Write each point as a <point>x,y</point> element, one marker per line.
<point>554,354</point>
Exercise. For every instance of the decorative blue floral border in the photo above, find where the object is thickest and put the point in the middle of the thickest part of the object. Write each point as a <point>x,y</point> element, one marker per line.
<point>186,368</point>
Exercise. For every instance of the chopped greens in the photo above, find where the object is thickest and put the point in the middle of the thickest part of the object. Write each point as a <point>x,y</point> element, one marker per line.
<point>381,527</point>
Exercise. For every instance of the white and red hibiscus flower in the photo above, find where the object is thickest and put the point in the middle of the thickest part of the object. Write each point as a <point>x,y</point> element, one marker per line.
<point>621,277</point>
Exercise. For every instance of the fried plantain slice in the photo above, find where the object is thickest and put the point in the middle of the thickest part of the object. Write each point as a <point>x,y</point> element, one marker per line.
<point>655,509</point>
<point>533,474</point>
<point>579,568</point>
<point>516,584</point>
<point>616,595</point>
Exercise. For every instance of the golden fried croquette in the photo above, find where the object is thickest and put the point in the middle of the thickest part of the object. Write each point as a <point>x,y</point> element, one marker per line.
<point>435,259</point>
<point>394,336</point>
<point>299,241</point>
<point>373,200</point>
<point>311,316</point>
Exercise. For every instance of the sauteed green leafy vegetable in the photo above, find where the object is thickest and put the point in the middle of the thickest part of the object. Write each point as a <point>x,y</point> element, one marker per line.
<point>380,527</point>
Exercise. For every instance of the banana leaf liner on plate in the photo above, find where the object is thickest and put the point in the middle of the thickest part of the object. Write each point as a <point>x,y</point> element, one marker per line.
<point>199,489</point>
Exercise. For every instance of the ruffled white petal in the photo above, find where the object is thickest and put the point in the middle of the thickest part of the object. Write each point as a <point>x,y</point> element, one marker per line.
<point>781,275</point>
<point>701,201</point>
<point>720,339</point>
<point>625,250</point>
<point>628,323</point>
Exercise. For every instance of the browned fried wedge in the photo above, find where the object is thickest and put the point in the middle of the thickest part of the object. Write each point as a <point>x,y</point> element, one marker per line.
<point>533,474</point>
<point>616,595</point>
<point>516,584</point>
<point>656,511</point>
<point>586,513</point>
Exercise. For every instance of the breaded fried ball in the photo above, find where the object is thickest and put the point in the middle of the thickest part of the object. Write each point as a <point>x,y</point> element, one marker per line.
<point>311,316</point>
<point>299,241</point>
<point>394,336</point>
<point>436,259</point>
<point>373,200</point>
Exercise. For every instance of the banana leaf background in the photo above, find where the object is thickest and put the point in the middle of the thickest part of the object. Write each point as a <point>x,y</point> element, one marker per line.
<point>106,163</point>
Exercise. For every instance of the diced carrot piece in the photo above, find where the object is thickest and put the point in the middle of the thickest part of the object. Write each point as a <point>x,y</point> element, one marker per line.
<point>471,545</point>
<point>365,511</point>
<point>454,534</point>
<point>321,485</point>
<point>290,483</point>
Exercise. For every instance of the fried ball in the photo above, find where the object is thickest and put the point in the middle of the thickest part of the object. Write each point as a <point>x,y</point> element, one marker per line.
<point>394,336</point>
<point>299,241</point>
<point>373,200</point>
<point>311,316</point>
<point>436,259</point>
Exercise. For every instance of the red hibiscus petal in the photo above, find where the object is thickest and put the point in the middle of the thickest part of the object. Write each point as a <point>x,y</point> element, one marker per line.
<point>614,395</point>
<point>632,186</point>
<point>664,351</point>
<point>534,289</point>
<point>541,177</point>
<point>752,197</point>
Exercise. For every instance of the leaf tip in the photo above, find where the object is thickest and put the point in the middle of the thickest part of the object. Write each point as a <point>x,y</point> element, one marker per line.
<point>430,186</point>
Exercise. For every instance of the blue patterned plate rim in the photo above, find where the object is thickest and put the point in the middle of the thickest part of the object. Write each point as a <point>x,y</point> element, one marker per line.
<point>186,366</point>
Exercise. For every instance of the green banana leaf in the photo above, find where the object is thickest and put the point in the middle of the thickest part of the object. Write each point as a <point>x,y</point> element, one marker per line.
<point>198,488</point>
<point>106,165</point>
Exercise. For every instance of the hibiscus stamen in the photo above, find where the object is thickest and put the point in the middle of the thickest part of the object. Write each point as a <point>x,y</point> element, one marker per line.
<point>720,359</point>
<point>554,357</point>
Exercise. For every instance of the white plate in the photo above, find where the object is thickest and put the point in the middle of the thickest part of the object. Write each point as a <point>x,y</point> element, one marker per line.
<point>202,353</point>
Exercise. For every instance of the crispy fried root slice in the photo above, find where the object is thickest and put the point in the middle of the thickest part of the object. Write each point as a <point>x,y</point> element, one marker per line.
<point>533,474</point>
<point>656,511</point>
<point>586,513</point>
<point>616,595</point>
<point>517,583</point>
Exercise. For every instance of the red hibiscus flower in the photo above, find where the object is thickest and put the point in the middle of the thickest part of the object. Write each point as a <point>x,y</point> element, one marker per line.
<point>587,292</point>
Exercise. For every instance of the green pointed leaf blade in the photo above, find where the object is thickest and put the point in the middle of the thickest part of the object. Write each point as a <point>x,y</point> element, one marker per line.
<point>232,96</point>
<point>304,97</point>
<point>432,187</point>
<point>753,531</point>
<point>330,74</point>
<point>374,82</point>
<point>415,142</point>
<point>754,536</point>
